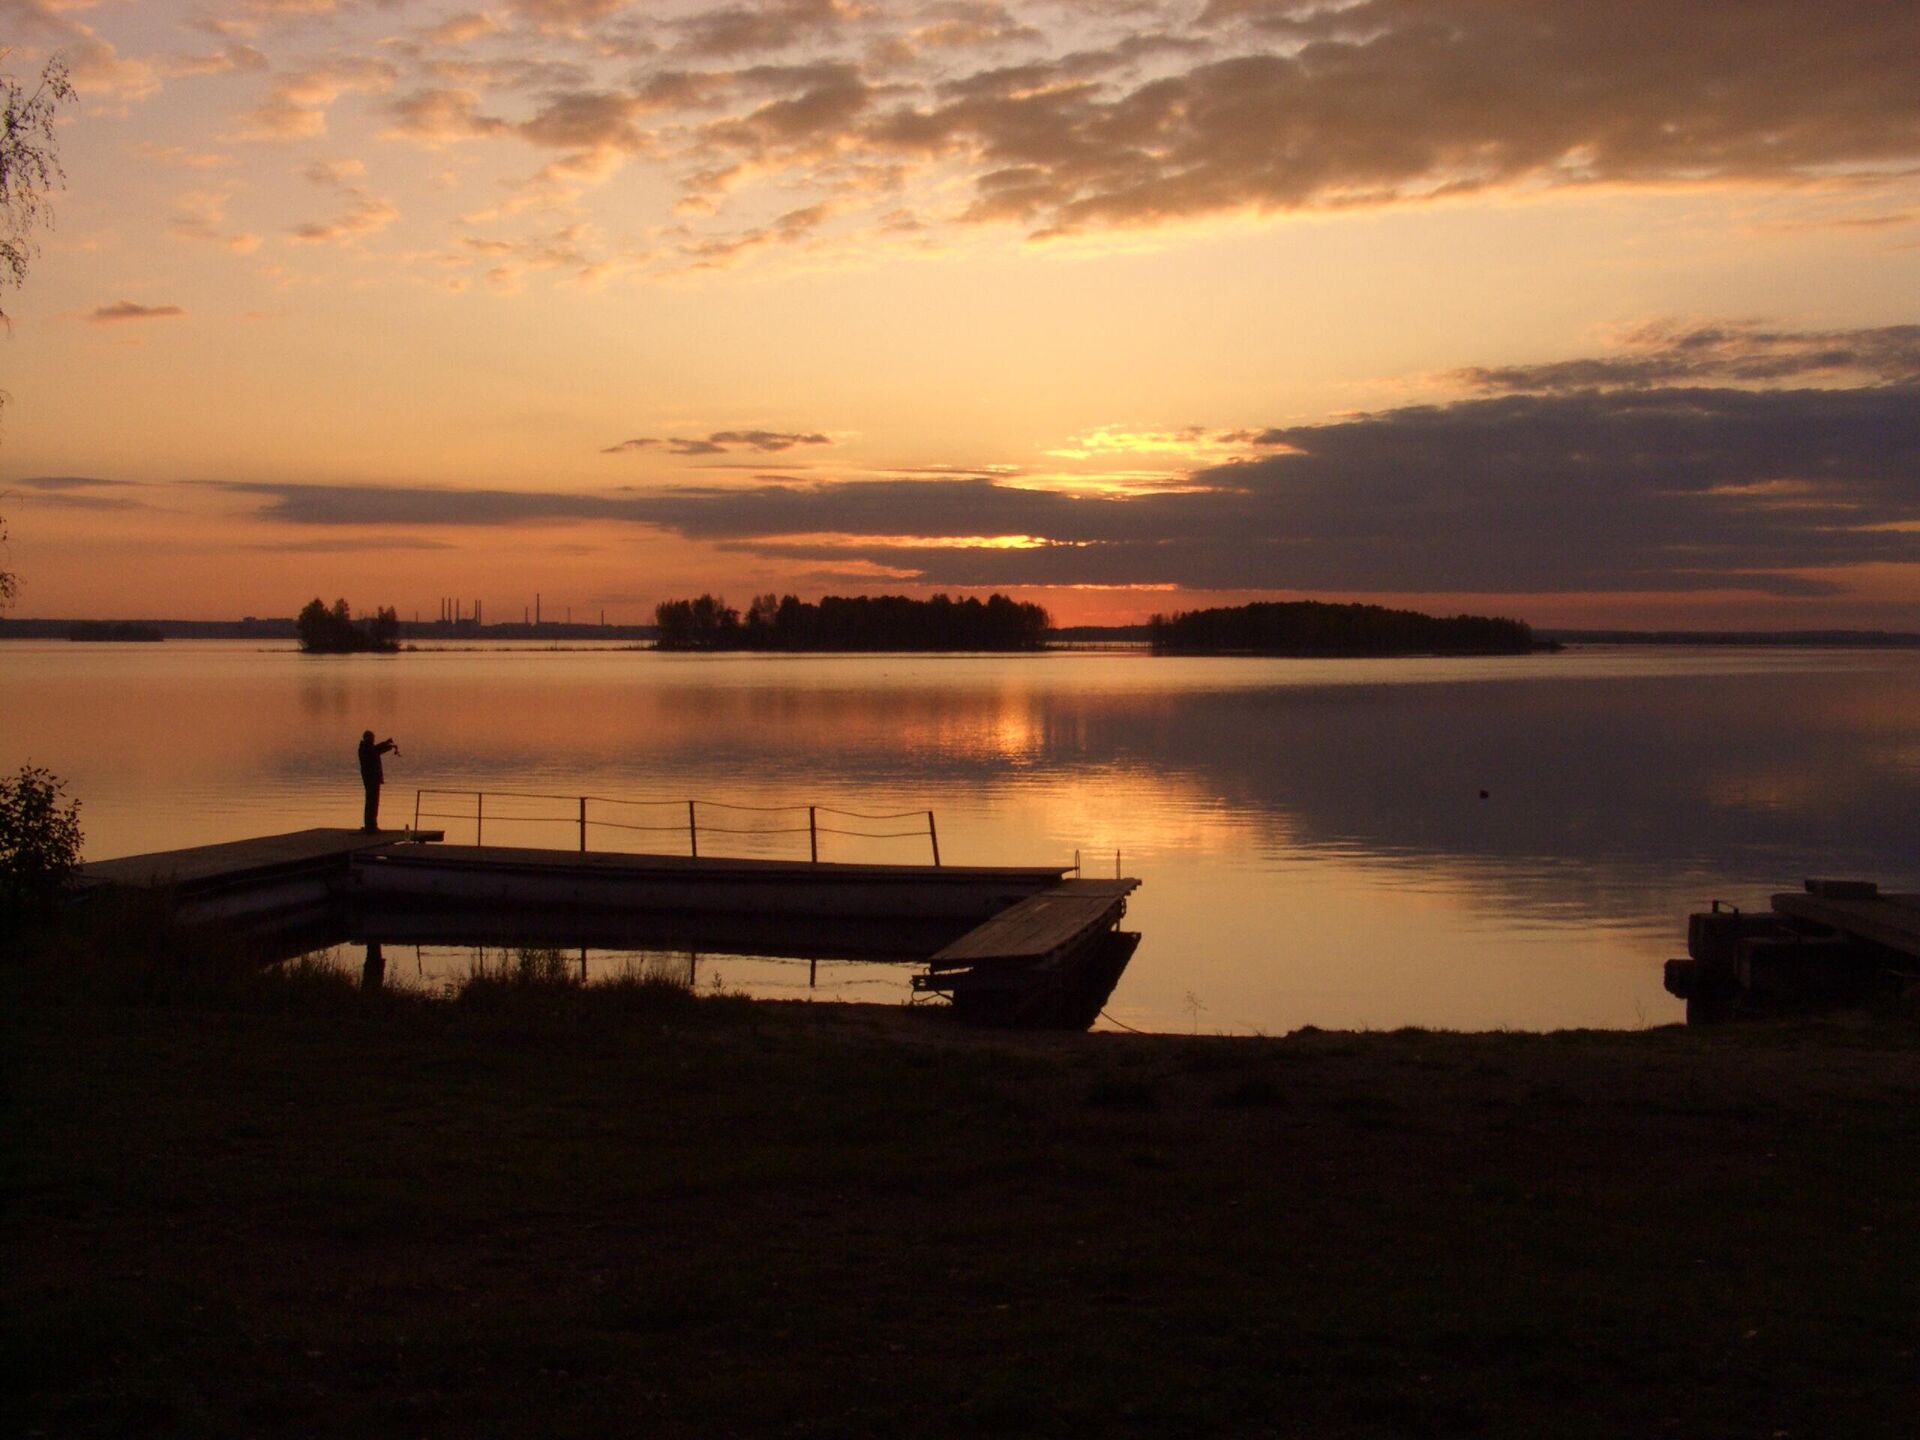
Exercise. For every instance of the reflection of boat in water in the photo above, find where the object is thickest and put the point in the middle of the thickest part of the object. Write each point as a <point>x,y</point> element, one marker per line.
<point>1841,941</point>
<point>1008,945</point>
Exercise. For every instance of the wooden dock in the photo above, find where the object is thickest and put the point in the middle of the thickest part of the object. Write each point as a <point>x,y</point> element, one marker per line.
<point>1000,941</point>
<point>1838,941</point>
<point>1045,960</point>
<point>239,860</point>
<point>1040,926</point>
<point>498,874</point>
<point>1889,920</point>
<point>263,881</point>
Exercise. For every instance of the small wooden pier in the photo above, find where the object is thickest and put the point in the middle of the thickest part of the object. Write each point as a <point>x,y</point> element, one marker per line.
<point>1033,961</point>
<point>267,879</point>
<point>1837,941</point>
<point>1007,944</point>
<point>499,874</point>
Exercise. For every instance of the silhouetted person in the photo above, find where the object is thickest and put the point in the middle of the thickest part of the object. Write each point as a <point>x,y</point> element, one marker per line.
<point>372,776</point>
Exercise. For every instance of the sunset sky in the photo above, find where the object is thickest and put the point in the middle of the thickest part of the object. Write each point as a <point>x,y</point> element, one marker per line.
<point>1598,312</point>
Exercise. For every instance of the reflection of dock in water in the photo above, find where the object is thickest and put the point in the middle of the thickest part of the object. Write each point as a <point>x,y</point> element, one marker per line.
<point>1840,941</point>
<point>1008,944</point>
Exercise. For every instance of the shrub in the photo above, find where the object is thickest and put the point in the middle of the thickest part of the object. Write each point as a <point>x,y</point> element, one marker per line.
<point>39,842</point>
<point>531,970</point>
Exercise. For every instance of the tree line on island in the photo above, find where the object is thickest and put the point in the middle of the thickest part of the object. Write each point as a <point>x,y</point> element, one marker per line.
<point>334,631</point>
<point>1313,627</point>
<point>998,623</point>
<point>896,622</point>
<point>853,622</point>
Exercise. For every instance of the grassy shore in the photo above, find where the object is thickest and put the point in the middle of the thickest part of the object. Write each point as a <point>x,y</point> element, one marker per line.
<point>288,1209</point>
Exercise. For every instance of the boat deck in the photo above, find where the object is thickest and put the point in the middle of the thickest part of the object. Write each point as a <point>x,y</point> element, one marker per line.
<point>1039,926</point>
<point>1889,920</point>
<point>1840,942</point>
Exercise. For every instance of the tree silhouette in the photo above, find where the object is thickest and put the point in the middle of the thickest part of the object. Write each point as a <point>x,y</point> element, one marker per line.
<point>39,843</point>
<point>1312,627</point>
<point>29,162</point>
<point>29,168</point>
<point>9,587</point>
<point>853,622</point>
<point>334,631</point>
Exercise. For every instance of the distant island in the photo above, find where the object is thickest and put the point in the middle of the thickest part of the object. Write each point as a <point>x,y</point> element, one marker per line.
<point>113,630</point>
<point>269,629</point>
<point>334,631</point>
<point>1312,627</point>
<point>853,622</point>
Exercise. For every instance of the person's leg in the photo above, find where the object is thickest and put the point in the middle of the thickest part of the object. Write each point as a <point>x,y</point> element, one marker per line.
<point>372,821</point>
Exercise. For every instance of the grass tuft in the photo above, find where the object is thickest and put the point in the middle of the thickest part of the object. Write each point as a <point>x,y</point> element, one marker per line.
<point>1252,1092</point>
<point>1123,1093</point>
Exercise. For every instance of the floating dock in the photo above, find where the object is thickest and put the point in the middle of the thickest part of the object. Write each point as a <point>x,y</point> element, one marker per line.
<point>1837,941</point>
<point>1007,944</point>
<point>1031,963</point>
<point>499,874</point>
<point>268,880</point>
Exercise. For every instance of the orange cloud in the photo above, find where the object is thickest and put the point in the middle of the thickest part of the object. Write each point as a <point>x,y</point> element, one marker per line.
<point>296,105</point>
<point>364,215</point>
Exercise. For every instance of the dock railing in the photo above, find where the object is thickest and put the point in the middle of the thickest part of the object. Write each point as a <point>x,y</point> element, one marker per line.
<point>584,814</point>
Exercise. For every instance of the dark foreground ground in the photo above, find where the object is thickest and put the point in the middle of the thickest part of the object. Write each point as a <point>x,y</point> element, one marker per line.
<point>555,1214</point>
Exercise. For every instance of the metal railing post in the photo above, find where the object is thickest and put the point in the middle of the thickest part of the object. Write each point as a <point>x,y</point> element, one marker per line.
<point>583,825</point>
<point>479,814</point>
<point>693,833</point>
<point>813,834</point>
<point>416,809</point>
<point>934,836</point>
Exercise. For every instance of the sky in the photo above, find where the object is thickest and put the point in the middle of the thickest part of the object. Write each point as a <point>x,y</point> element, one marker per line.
<point>1593,313</point>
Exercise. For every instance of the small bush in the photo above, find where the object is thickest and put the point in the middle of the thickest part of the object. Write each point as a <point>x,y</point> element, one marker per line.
<point>527,971</point>
<point>308,984</point>
<point>650,987</point>
<point>39,843</point>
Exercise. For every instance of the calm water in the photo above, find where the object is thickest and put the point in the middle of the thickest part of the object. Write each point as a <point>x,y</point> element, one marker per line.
<point>1310,834</point>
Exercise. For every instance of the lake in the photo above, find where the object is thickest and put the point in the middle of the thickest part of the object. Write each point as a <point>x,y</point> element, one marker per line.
<point>1311,835</point>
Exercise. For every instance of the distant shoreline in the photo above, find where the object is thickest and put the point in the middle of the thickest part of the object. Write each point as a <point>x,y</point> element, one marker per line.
<point>1855,639</point>
<point>284,628</point>
<point>1066,637</point>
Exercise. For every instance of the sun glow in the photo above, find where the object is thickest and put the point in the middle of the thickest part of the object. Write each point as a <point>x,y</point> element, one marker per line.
<point>1191,444</point>
<point>844,541</point>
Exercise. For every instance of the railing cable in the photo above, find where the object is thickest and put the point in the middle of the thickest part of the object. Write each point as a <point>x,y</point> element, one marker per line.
<point>692,827</point>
